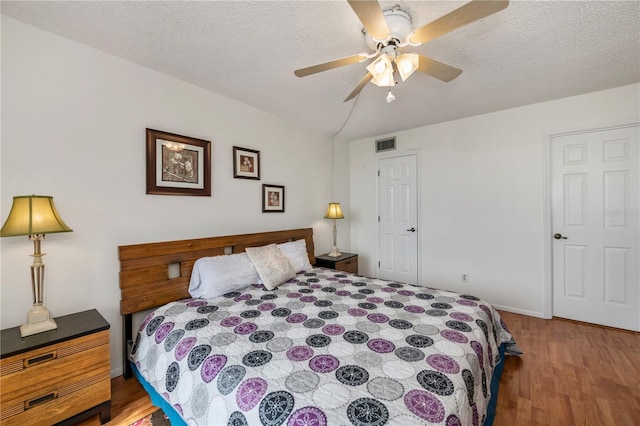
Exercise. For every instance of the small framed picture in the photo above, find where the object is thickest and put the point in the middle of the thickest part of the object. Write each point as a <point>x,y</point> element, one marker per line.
<point>246,163</point>
<point>177,165</point>
<point>272,199</point>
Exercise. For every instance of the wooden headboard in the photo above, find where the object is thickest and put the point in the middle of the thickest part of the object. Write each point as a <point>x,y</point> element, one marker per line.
<point>146,281</point>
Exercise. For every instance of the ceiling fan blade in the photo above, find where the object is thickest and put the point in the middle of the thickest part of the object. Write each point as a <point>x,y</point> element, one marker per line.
<point>470,12</point>
<point>370,14</point>
<point>359,87</point>
<point>437,69</point>
<point>303,72</point>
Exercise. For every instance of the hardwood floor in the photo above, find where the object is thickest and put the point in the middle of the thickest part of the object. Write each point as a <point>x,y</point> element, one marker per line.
<point>570,374</point>
<point>129,402</point>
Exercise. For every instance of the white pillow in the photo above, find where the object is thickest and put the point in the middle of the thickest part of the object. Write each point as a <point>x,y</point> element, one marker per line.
<point>296,253</point>
<point>214,276</point>
<point>272,266</point>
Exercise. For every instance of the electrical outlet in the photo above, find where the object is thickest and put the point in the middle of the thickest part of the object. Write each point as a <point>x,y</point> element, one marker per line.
<point>464,278</point>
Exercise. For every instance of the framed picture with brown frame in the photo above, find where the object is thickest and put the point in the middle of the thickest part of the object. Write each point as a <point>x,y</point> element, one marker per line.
<point>177,165</point>
<point>246,163</point>
<point>272,198</point>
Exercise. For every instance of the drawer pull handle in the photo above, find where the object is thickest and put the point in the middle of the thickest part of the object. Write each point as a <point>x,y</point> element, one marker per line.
<point>348,262</point>
<point>40,400</point>
<point>40,358</point>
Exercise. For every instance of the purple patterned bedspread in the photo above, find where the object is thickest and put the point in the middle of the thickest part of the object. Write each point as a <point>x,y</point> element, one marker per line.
<point>326,348</point>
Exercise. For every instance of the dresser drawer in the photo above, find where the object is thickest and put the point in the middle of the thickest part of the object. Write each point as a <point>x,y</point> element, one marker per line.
<point>348,265</point>
<point>57,381</point>
<point>56,405</point>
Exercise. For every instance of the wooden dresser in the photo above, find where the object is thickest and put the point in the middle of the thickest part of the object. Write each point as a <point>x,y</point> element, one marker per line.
<point>347,262</point>
<point>60,376</point>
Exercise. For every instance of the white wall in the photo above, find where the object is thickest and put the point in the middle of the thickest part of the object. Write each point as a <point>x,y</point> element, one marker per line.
<point>73,127</point>
<point>482,195</point>
<point>340,192</point>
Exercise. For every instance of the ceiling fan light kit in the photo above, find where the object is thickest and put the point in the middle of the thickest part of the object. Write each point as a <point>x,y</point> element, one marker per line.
<point>390,30</point>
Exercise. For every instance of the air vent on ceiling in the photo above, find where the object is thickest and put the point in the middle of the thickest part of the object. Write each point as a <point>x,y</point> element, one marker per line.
<point>387,144</point>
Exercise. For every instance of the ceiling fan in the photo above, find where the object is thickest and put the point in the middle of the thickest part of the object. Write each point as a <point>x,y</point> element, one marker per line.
<point>390,30</point>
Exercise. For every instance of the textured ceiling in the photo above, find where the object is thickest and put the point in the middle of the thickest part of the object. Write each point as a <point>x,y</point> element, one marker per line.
<point>530,52</point>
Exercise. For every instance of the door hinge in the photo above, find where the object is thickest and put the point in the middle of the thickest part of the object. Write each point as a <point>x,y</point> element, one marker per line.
<point>378,264</point>
<point>378,173</point>
<point>378,218</point>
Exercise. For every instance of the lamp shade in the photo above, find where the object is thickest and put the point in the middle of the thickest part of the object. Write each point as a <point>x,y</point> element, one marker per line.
<point>33,215</point>
<point>334,211</point>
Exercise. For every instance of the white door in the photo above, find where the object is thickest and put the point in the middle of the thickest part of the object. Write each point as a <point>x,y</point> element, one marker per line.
<point>398,230</point>
<point>595,187</point>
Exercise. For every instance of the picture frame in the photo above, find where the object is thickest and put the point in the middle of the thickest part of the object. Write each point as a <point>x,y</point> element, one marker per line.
<point>272,198</point>
<point>177,165</point>
<point>246,163</point>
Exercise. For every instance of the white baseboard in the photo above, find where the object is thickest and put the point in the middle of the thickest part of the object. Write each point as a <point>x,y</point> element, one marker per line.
<point>116,372</point>
<point>520,311</point>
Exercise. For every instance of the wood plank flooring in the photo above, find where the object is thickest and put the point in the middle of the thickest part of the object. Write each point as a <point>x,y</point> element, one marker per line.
<point>570,374</point>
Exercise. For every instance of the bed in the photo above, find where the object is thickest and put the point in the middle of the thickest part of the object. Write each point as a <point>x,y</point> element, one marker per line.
<point>324,348</point>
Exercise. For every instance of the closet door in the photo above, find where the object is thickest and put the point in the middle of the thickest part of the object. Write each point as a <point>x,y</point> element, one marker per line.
<point>595,213</point>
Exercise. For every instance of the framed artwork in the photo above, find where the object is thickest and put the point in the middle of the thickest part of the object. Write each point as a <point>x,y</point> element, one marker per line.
<point>246,163</point>
<point>177,165</point>
<point>272,199</point>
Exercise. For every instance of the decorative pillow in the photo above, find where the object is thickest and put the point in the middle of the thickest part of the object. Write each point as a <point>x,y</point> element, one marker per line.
<point>296,253</point>
<point>272,266</point>
<point>214,276</point>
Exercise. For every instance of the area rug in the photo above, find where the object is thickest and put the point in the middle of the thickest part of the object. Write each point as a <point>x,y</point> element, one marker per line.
<point>157,418</point>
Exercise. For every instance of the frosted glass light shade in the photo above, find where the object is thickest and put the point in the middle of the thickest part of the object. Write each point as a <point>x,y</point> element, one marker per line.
<point>382,71</point>
<point>407,64</point>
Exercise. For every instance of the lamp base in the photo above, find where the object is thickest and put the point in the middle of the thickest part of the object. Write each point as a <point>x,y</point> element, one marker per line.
<point>334,252</point>
<point>38,321</point>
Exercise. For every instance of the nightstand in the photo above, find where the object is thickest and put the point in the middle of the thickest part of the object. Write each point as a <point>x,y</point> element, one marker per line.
<point>60,376</point>
<point>347,262</point>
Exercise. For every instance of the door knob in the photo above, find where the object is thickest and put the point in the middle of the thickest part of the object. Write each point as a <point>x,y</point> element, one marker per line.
<point>559,237</point>
<point>411,230</point>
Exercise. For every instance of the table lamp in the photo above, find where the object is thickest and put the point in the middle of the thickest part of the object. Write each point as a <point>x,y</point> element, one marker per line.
<point>334,212</point>
<point>35,216</point>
